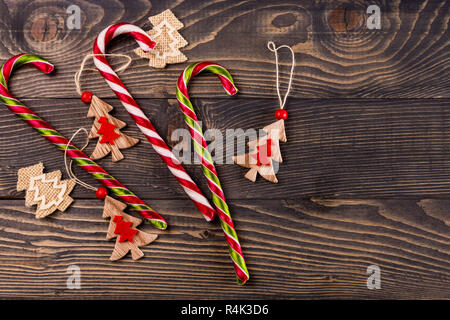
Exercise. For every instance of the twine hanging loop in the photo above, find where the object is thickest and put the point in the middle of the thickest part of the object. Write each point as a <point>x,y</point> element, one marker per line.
<point>271,46</point>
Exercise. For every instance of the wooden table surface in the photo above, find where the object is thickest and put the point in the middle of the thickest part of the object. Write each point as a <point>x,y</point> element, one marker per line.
<point>366,172</point>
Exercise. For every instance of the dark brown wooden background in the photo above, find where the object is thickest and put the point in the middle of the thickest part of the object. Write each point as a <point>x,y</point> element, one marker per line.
<point>366,177</point>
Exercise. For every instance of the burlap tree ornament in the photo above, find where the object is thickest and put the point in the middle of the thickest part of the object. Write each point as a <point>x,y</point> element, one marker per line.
<point>123,227</point>
<point>168,41</point>
<point>46,190</point>
<point>107,128</point>
<point>263,152</point>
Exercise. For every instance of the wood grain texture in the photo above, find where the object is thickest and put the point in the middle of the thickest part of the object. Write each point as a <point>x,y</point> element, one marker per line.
<point>336,148</point>
<point>368,124</point>
<point>294,249</point>
<point>337,56</point>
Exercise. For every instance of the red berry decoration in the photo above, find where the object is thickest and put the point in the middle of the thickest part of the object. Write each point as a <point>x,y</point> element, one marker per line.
<point>281,114</point>
<point>86,96</point>
<point>101,193</point>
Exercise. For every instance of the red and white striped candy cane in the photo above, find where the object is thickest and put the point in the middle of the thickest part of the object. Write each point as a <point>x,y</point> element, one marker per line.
<point>143,123</point>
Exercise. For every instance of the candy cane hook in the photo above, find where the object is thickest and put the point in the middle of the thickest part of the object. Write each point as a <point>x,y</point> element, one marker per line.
<point>56,138</point>
<point>143,123</point>
<point>210,172</point>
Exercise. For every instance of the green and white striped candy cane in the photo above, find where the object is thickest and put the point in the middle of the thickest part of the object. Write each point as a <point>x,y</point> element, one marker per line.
<point>201,149</point>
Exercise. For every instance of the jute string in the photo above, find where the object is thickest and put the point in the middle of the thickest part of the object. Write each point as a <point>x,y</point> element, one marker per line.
<point>271,46</point>
<point>69,169</point>
<point>77,77</point>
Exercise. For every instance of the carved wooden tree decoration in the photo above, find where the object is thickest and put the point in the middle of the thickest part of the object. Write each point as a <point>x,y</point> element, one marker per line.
<point>263,152</point>
<point>123,227</point>
<point>168,41</point>
<point>107,128</point>
<point>46,190</point>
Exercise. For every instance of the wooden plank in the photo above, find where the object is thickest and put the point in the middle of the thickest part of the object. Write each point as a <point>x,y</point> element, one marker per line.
<point>337,148</point>
<point>368,119</point>
<point>294,249</point>
<point>337,56</point>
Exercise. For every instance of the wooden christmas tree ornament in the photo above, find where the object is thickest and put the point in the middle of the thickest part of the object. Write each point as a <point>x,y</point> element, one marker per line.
<point>168,41</point>
<point>265,150</point>
<point>46,190</point>
<point>123,227</point>
<point>107,128</point>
